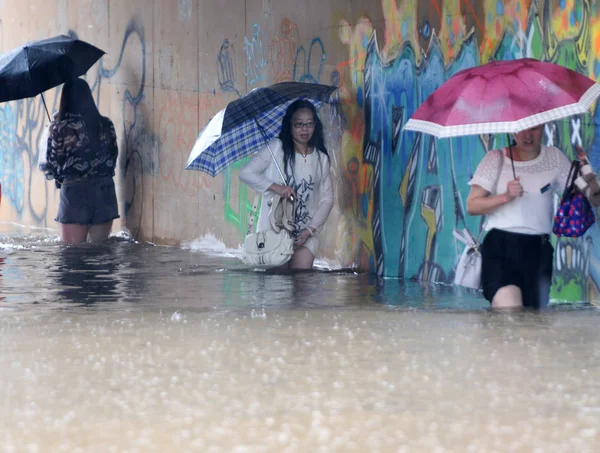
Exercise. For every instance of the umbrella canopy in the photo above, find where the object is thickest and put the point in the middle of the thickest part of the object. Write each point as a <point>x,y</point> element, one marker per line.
<point>249,123</point>
<point>40,65</point>
<point>504,97</point>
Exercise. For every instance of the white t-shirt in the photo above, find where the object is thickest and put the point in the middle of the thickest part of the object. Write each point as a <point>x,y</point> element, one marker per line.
<point>541,178</point>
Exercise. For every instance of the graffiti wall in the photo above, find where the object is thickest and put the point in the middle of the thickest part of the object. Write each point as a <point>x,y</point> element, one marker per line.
<point>399,195</point>
<point>408,190</point>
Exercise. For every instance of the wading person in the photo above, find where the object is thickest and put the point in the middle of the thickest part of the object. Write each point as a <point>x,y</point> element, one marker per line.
<point>517,255</point>
<point>81,156</point>
<point>301,153</point>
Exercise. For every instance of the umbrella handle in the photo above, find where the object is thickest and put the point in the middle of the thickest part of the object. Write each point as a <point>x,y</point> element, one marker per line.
<point>45,106</point>
<point>512,161</point>
<point>276,164</point>
<point>270,150</point>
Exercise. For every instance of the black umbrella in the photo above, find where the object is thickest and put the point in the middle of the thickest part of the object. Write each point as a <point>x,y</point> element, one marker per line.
<point>40,65</point>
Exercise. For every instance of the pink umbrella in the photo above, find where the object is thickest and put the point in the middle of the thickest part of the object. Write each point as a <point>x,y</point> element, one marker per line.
<point>504,97</point>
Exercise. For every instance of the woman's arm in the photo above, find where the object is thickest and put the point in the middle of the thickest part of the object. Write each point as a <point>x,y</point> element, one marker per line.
<point>113,149</point>
<point>589,180</point>
<point>254,171</point>
<point>326,198</point>
<point>254,174</point>
<point>53,161</point>
<point>480,202</point>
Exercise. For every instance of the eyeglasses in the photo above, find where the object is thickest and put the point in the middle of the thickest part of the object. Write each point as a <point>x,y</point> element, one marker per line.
<point>309,125</point>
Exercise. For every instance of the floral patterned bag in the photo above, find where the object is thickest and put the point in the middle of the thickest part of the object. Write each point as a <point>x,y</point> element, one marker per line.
<point>575,214</point>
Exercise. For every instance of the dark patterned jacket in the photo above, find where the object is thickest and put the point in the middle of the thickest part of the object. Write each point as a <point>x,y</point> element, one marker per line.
<point>69,155</point>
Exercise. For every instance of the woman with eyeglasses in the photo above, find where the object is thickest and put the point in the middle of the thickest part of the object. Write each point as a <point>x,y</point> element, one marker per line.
<point>301,153</point>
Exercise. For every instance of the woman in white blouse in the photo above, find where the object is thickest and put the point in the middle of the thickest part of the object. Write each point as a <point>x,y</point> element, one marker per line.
<point>517,253</point>
<point>300,151</point>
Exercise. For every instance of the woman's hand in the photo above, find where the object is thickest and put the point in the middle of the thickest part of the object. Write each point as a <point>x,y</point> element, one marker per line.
<point>283,191</point>
<point>302,237</point>
<point>586,171</point>
<point>588,181</point>
<point>581,155</point>
<point>514,189</point>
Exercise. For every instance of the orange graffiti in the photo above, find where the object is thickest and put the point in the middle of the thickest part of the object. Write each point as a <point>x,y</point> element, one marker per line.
<point>282,50</point>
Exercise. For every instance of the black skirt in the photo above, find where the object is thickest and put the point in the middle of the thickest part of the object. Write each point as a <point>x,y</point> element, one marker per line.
<point>523,260</point>
<point>88,202</point>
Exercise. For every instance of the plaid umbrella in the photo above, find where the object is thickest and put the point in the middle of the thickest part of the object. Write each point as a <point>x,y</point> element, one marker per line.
<point>247,124</point>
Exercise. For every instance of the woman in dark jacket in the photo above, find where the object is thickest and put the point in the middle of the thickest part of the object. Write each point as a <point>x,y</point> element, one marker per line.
<point>82,156</point>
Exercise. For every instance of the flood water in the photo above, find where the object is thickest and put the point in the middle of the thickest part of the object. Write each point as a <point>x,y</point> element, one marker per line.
<point>132,347</point>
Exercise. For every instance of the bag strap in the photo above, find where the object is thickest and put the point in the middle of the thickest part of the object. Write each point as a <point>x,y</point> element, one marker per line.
<point>572,176</point>
<point>252,214</point>
<point>462,236</point>
<point>466,237</point>
<point>502,159</point>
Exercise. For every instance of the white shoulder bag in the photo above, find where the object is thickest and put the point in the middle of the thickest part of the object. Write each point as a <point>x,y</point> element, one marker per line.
<point>468,271</point>
<point>274,247</point>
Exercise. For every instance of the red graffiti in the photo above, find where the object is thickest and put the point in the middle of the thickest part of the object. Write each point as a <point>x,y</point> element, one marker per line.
<point>282,50</point>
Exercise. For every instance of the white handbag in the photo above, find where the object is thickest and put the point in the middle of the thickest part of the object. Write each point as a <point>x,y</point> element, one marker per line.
<point>43,144</point>
<point>274,247</point>
<point>43,148</point>
<point>468,270</point>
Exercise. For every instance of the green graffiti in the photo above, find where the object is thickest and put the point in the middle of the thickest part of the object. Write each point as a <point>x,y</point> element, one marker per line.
<point>568,290</point>
<point>237,216</point>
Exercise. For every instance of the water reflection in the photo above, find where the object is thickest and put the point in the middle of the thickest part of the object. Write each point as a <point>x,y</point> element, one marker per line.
<point>122,271</point>
<point>339,288</point>
<point>87,274</point>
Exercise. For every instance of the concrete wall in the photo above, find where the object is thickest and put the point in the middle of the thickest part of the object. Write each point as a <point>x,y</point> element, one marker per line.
<point>172,64</point>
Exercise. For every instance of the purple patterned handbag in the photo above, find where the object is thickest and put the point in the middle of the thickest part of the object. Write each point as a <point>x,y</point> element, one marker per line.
<point>575,214</point>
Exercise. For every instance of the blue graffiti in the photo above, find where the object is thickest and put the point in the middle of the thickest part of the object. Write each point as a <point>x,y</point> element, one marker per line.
<point>137,157</point>
<point>12,171</point>
<point>255,60</point>
<point>306,60</point>
<point>226,67</point>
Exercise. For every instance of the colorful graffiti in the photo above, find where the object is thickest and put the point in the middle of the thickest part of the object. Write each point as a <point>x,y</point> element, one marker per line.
<point>415,186</point>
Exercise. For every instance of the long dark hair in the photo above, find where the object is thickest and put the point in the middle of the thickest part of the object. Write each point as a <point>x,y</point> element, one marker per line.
<point>77,98</point>
<point>317,141</point>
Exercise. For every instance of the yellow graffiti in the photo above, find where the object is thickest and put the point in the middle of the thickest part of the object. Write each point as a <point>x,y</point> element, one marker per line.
<point>428,214</point>
<point>356,239</point>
